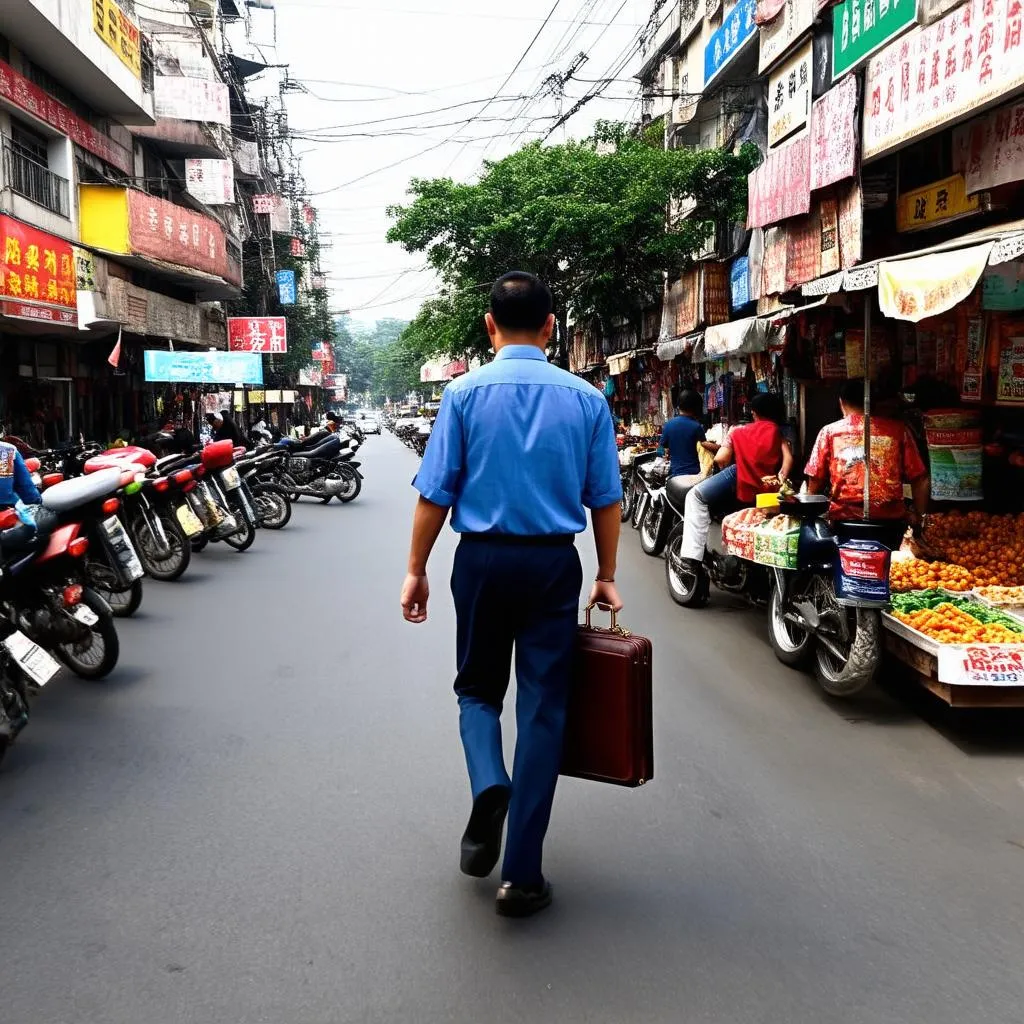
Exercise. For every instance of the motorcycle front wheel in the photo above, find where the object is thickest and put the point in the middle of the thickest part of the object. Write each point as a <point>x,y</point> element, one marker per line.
<point>242,539</point>
<point>686,587</point>
<point>654,530</point>
<point>123,603</point>
<point>95,657</point>
<point>275,510</point>
<point>792,643</point>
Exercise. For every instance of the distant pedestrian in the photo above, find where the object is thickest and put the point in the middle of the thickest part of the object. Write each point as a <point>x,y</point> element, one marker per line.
<point>224,428</point>
<point>519,449</point>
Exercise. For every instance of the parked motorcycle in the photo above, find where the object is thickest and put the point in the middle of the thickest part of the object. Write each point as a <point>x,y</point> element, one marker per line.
<point>312,468</point>
<point>259,471</point>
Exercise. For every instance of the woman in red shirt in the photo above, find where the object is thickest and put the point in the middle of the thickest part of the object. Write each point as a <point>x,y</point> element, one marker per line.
<point>754,458</point>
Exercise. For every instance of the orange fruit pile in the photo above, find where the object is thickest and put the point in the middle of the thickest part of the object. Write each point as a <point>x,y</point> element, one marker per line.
<point>950,625</point>
<point>991,547</point>
<point>917,574</point>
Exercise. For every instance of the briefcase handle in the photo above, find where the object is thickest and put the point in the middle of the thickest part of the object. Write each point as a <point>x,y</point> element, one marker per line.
<point>615,627</point>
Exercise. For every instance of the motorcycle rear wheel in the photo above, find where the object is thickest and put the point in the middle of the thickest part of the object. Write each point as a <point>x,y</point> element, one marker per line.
<point>95,658</point>
<point>626,504</point>
<point>123,603</point>
<point>165,569</point>
<point>687,588</point>
<point>275,510</point>
<point>242,539</point>
<point>852,675</point>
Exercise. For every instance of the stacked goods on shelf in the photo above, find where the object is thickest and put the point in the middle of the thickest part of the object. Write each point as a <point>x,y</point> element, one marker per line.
<point>917,574</point>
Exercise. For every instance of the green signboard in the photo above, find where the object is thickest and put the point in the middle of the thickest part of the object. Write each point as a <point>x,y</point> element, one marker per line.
<point>860,27</point>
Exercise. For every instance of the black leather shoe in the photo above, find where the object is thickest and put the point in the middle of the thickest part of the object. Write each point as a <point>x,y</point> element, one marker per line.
<point>481,842</point>
<point>513,901</point>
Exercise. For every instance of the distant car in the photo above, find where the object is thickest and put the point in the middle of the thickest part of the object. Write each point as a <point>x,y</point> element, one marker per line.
<point>369,424</point>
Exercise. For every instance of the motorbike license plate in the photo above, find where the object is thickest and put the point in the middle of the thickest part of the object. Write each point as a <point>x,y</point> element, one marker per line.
<point>231,479</point>
<point>85,615</point>
<point>122,546</point>
<point>31,658</point>
<point>189,522</point>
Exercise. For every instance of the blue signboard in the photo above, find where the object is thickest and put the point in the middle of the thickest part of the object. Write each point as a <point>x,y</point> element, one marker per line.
<point>286,287</point>
<point>739,282</point>
<point>204,367</point>
<point>737,27</point>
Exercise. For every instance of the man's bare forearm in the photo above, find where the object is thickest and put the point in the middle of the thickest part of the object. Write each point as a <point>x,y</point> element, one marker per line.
<point>607,524</point>
<point>426,526</point>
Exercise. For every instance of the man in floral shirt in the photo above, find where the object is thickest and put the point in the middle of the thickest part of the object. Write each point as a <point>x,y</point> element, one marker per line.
<point>837,463</point>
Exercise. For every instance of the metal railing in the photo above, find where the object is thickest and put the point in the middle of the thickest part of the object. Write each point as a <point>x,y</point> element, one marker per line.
<point>34,181</point>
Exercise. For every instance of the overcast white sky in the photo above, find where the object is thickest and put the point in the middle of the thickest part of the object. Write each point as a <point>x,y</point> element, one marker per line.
<point>401,59</point>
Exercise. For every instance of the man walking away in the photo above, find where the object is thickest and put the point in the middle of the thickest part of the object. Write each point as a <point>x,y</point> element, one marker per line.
<point>518,450</point>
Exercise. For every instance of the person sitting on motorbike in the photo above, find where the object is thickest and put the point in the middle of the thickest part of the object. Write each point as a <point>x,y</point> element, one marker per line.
<point>226,429</point>
<point>837,462</point>
<point>16,482</point>
<point>754,459</point>
<point>681,435</point>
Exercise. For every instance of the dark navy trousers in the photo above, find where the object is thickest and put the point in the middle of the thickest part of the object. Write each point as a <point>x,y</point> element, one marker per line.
<point>526,598</point>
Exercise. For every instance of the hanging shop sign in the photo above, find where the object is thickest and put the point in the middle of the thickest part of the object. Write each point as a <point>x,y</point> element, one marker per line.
<point>311,377</point>
<point>773,267</point>
<point>789,95</point>
<point>981,665</point>
<point>688,309</point>
<point>934,204</point>
<point>119,32</point>
<point>736,30</point>
<point>974,360</point>
<point>321,352</point>
<point>739,282</point>
<point>851,225</point>
<point>191,99</point>
<point>834,135</point>
<point>1002,287</point>
<point>298,248</point>
<point>210,181</point>
<point>203,367</point>
<point>247,157</point>
<point>285,287</point>
<point>17,90</point>
<point>714,293</point>
<point>37,274</point>
<point>267,335</point>
<point>781,187</point>
<point>862,27</point>
<point>264,203</point>
<point>989,151</point>
<point>918,288</point>
<point>1010,379</point>
<point>308,214</point>
<point>795,18</point>
<point>938,74</point>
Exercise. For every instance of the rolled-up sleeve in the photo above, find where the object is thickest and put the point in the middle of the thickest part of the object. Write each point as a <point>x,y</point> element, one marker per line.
<point>443,460</point>
<point>604,484</point>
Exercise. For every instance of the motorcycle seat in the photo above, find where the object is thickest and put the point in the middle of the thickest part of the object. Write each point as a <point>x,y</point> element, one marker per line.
<point>676,491</point>
<point>170,463</point>
<point>23,539</point>
<point>82,490</point>
<point>328,449</point>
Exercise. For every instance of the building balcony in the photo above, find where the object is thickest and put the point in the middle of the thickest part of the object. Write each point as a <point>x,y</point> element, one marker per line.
<point>174,242</point>
<point>34,181</point>
<point>181,140</point>
<point>61,38</point>
<point>666,38</point>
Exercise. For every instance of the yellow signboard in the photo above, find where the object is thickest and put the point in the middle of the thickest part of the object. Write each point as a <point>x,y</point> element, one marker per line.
<point>119,32</point>
<point>257,397</point>
<point>941,201</point>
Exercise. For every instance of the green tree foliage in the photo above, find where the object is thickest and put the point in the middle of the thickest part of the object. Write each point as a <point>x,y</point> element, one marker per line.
<point>373,356</point>
<point>588,217</point>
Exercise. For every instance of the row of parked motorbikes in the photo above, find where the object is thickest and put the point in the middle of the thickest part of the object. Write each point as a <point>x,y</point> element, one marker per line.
<point>824,614</point>
<point>412,431</point>
<point>110,517</point>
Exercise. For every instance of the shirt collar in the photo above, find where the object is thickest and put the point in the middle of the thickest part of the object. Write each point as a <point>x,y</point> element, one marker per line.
<point>521,352</point>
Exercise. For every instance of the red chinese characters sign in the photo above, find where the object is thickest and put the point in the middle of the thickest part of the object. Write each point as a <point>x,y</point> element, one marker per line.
<point>934,75</point>
<point>989,151</point>
<point>27,96</point>
<point>265,334</point>
<point>37,274</point>
<point>177,235</point>
<point>781,187</point>
<point>834,135</point>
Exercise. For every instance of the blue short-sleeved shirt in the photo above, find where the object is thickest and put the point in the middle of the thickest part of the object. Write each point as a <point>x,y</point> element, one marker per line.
<point>681,435</point>
<point>520,446</point>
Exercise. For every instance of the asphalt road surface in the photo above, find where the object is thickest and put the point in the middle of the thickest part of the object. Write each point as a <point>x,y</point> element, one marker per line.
<point>257,820</point>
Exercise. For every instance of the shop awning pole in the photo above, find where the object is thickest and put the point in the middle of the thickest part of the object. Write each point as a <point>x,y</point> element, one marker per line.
<point>867,405</point>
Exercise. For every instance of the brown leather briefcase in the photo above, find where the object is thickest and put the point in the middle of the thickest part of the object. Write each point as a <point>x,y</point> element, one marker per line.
<point>609,734</point>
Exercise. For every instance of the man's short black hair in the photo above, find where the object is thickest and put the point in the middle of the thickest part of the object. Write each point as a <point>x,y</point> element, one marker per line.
<point>852,393</point>
<point>521,302</point>
<point>769,407</point>
<point>691,402</point>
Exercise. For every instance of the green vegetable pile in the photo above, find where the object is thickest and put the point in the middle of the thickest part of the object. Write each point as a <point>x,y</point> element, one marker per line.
<point>918,599</point>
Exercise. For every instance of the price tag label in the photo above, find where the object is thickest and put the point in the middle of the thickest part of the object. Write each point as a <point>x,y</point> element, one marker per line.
<point>982,664</point>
